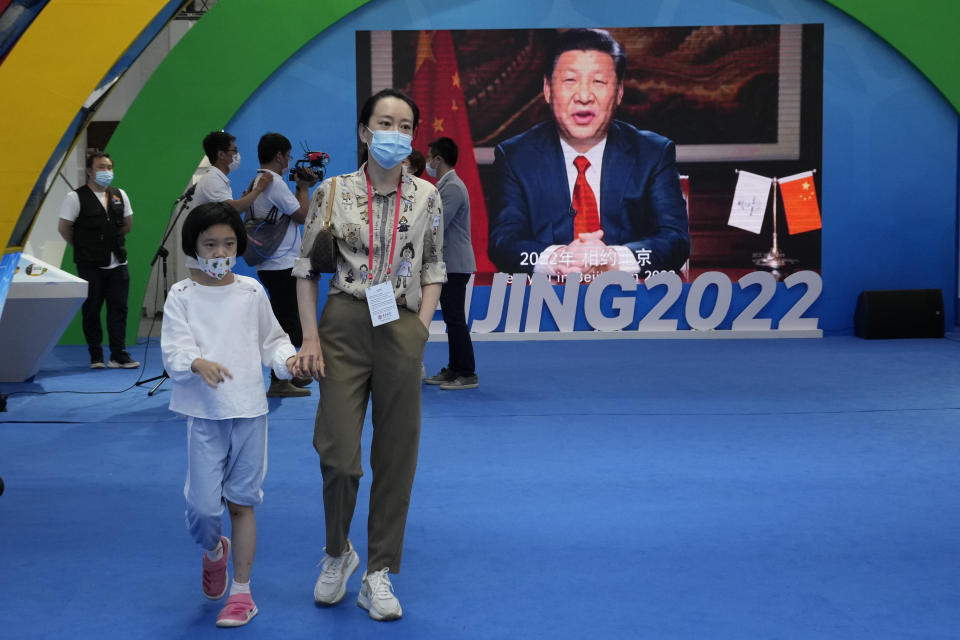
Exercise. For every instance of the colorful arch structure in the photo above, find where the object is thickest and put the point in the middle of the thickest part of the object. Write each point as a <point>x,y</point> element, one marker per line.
<point>42,89</point>
<point>208,93</point>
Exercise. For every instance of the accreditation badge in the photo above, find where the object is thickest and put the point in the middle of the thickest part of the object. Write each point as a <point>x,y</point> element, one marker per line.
<point>382,304</point>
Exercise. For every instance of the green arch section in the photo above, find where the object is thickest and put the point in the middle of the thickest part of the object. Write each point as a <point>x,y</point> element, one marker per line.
<point>192,93</point>
<point>218,64</point>
<point>925,32</point>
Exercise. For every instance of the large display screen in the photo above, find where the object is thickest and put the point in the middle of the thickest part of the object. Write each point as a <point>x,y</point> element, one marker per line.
<point>703,147</point>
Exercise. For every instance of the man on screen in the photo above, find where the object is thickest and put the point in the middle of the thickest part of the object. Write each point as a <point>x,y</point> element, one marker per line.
<point>584,192</point>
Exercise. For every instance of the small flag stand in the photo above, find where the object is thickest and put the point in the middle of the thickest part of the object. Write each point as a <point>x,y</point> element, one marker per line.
<point>800,210</point>
<point>774,258</point>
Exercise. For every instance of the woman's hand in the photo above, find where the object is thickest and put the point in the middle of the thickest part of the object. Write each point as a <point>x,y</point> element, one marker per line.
<point>429,296</point>
<point>425,321</point>
<point>212,372</point>
<point>309,360</point>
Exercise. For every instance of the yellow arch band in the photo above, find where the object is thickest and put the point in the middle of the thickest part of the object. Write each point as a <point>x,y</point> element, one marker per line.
<point>50,72</point>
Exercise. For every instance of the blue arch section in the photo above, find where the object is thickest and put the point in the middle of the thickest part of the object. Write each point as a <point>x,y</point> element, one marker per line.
<point>16,18</point>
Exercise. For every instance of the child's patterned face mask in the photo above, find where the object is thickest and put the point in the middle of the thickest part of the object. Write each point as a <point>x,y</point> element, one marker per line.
<point>217,268</point>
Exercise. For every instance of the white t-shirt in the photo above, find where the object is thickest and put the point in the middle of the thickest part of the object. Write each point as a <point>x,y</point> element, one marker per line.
<point>70,211</point>
<point>214,186</point>
<point>232,325</point>
<point>278,194</point>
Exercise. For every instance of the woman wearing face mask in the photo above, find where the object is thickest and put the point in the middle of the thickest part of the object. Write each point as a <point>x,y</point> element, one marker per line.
<point>355,357</point>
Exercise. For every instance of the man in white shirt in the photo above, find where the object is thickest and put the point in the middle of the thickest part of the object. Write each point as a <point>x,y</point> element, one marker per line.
<point>221,150</point>
<point>274,271</point>
<point>94,220</point>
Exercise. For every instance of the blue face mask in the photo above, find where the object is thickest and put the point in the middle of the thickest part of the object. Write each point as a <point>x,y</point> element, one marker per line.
<point>389,148</point>
<point>103,178</point>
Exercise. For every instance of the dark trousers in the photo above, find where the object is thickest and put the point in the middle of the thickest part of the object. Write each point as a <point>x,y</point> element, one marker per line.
<point>452,298</point>
<point>281,286</point>
<point>112,286</point>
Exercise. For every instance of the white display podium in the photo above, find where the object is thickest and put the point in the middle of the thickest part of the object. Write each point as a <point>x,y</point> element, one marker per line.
<point>40,305</point>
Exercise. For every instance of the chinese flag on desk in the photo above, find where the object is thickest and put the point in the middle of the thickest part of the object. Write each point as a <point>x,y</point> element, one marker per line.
<point>800,202</point>
<point>443,113</point>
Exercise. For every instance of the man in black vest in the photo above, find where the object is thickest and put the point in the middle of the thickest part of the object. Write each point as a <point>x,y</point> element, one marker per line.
<point>94,220</point>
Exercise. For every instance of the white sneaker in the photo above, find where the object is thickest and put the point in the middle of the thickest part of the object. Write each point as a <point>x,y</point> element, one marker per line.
<point>376,596</point>
<point>332,584</point>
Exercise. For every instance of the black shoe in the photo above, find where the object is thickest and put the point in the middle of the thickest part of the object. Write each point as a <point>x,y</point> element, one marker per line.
<point>97,363</point>
<point>445,375</point>
<point>303,383</point>
<point>461,382</point>
<point>285,389</point>
<point>122,361</point>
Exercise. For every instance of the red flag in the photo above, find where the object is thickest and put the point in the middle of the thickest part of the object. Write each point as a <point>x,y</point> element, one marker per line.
<point>800,202</point>
<point>443,113</point>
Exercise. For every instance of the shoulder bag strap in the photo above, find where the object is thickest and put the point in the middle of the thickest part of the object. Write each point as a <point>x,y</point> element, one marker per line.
<point>250,215</point>
<point>333,191</point>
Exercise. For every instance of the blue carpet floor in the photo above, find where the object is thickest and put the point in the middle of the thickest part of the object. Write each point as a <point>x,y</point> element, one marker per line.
<point>702,489</point>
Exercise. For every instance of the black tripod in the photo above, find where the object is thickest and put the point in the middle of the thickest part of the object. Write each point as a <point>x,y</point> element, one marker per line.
<point>161,255</point>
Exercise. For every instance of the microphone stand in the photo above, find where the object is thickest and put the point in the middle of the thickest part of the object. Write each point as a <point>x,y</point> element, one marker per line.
<point>162,254</point>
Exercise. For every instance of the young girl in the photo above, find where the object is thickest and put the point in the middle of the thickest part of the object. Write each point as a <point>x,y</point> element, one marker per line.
<point>218,328</point>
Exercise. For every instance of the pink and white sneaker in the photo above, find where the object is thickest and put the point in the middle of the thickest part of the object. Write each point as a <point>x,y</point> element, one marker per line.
<point>238,612</point>
<point>214,576</point>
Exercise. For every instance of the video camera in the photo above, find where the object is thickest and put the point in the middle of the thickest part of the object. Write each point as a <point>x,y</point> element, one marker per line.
<point>313,160</point>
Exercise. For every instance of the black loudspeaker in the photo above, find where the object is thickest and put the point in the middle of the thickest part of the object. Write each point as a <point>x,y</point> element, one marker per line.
<point>910,313</point>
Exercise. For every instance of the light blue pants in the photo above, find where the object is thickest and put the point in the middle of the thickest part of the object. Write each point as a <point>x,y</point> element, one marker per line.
<point>226,460</point>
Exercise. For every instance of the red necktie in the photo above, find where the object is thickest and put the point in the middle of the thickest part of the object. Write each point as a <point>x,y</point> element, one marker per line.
<point>584,201</point>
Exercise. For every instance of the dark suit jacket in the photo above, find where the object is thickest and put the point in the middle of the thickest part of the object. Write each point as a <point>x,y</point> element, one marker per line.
<point>641,204</point>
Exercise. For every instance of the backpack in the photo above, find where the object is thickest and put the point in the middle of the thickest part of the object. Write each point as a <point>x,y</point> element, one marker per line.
<point>264,235</point>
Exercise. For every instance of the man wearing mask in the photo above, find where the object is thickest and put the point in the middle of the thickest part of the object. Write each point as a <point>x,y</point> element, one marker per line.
<point>221,150</point>
<point>95,220</point>
<point>584,192</point>
<point>274,272</point>
<point>460,372</point>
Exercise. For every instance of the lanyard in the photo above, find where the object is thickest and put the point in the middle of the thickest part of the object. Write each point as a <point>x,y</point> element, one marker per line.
<point>396,220</point>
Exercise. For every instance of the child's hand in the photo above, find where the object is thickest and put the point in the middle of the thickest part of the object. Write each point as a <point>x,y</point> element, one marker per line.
<point>212,373</point>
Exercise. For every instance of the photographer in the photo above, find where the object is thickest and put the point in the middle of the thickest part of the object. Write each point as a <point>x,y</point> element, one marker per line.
<point>274,271</point>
